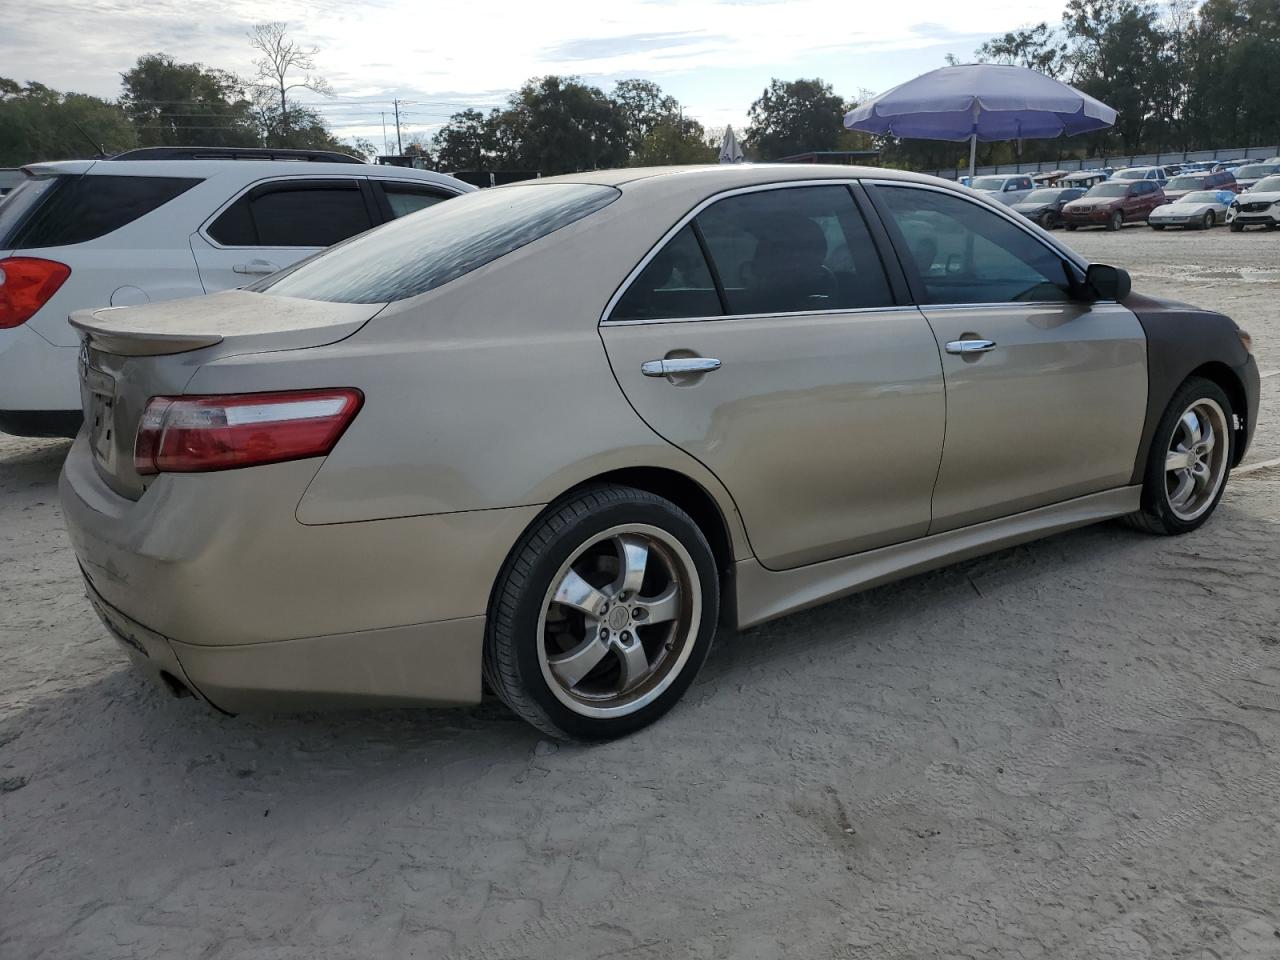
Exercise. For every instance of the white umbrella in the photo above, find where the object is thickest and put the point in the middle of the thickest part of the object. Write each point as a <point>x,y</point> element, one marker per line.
<point>730,152</point>
<point>981,101</point>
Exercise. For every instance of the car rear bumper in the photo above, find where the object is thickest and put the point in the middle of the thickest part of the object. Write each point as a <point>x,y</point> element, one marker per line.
<point>224,590</point>
<point>35,375</point>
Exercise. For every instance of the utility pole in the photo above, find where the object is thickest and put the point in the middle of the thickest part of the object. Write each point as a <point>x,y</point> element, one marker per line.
<point>384,133</point>
<point>399,148</point>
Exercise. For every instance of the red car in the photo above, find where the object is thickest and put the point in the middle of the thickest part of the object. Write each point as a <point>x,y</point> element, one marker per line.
<point>1113,204</point>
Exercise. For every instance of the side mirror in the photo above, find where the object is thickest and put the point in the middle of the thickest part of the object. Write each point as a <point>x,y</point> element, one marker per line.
<point>1105,282</point>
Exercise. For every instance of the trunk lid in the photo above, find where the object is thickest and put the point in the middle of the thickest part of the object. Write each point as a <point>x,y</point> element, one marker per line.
<point>130,354</point>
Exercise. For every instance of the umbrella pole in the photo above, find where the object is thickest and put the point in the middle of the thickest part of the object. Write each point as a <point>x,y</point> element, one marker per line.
<point>973,156</point>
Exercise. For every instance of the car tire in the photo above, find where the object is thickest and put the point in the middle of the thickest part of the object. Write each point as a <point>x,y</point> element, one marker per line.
<point>1206,222</point>
<point>1237,227</point>
<point>1178,499</point>
<point>1071,227</point>
<point>602,615</point>
<point>1273,226</point>
<point>1157,226</point>
<point>1049,220</point>
<point>1116,221</point>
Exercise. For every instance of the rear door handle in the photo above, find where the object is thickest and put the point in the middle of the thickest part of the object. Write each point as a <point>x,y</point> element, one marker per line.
<point>262,267</point>
<point>970,346</point>
<point>678,366</point>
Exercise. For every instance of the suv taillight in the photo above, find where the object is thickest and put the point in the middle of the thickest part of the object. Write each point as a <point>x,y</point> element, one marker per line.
<point>196,434</point>
<point>26,284</point>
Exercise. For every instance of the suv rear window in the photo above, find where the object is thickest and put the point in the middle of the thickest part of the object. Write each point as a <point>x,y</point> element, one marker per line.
<point>441,243</point>
<point>76,209</point>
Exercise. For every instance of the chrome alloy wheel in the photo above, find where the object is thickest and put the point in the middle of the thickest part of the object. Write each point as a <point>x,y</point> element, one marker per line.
<point>1197,460</point>
<point>619,620</point>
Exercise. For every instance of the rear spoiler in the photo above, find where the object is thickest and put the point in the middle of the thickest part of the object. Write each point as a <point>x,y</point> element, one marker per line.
<point>132,340</point>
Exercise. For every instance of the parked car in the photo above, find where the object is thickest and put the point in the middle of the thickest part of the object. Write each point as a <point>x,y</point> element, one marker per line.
<point>1251,173</point>
<point>1044,206</point>
<point>1186,183</point>
<point>1201,209</point>
<point>1047,178</point>
<point>1260,207</point>
<point>1006,189</point>
<point>1084,179</point>
<point>161,223</point>
<point>1113,204</point>
<point>1221,165</point>
<point>1158,174</point>
<point>553,434</point>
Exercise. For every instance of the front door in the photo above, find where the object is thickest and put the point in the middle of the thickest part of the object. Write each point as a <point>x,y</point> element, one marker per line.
<point>763,339</point>
<point>1046,395</point>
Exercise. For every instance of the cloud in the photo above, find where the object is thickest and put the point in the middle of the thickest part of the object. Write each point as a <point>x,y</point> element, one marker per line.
<point>594,48</point>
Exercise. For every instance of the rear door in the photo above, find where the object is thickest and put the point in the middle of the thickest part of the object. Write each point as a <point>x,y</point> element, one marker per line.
<point>278,222</point>
<point>763,337</point>
<point>1046,396</point>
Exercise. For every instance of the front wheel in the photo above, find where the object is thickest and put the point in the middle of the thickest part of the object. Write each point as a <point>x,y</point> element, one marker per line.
<point>1207,222</point>
<point>1189,461</point>
<point>602,615</point>
<point>1116,221</point>
<point>1157,226</point>
<point>1071,227</point>
<point>1049,220</point>
<point>1237,227</point>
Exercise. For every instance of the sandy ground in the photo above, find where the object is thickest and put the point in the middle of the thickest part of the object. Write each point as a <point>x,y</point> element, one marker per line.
<point>1063,750</point>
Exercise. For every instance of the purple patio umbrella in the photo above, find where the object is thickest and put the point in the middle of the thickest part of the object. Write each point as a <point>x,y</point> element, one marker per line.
<point>981,101</point>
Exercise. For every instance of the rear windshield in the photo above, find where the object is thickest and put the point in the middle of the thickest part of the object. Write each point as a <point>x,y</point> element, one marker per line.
<point>1137,173</point>
<point>988,183</point>
<point>61,210</point>
<point>1256,170</point>
<point>1186,183</point>
<point>429,248</point>
<point>1202,196</point>
<point>1050,195</point>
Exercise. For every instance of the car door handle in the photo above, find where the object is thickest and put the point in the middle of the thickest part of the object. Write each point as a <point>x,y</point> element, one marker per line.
<point>970,346</point>
<point>255,267</point>
<point>678,366</point>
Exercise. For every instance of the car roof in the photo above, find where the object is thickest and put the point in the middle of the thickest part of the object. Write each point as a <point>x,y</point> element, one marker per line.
<point>727,176</point>
<point>248,170</point>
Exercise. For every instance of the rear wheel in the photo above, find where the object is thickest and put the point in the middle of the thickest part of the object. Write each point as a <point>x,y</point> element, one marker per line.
<point>1189,461</point>
<point>602,615</point>
<point>1206,222</point>
<point>1116,221</point>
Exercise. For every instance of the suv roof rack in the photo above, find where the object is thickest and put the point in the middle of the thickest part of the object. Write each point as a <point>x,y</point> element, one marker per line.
<point>234,153</point>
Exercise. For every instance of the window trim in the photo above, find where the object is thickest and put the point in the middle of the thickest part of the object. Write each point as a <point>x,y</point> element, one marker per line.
<point>848,183</point>
<point>912,277</point>
<point>300,179</point>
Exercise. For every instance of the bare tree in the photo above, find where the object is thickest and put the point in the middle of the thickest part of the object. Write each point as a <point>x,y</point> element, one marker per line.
<point>282,58</point>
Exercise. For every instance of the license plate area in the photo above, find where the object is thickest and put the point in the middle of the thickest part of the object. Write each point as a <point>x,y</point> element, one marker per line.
<point>101,415</point>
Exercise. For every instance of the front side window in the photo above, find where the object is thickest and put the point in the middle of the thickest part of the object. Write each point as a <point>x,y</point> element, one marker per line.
<point>63,210</point>
<point>793,250</point>
<point>965,253</point>
<point>294,214</point>
<point>415,254</point>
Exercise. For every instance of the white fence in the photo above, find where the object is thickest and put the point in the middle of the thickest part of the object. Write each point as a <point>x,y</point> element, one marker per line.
<point>1117,161</point>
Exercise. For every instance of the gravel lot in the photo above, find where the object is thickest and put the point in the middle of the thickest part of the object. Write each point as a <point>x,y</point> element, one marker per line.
<point>1062,750</point>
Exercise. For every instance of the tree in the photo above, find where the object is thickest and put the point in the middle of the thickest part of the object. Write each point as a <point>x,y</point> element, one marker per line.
<point>793,117</point>
<point>1036,48</point>
<point>644,107</point>
<point>37,123</point>
<point>560,125</point>
<point>674,140</point>
<point>466,142</point>
<point>280,60</point>
<point>361,147</point>
<point>185,104</point>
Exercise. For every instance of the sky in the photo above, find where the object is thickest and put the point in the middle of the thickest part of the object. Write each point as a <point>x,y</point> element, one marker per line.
<point>715,56</point>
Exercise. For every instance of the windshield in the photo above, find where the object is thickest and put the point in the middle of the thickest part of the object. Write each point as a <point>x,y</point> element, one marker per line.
<point>988,183</point>
<point>427,249</point>
<point>1201,196</point>
<point>1108,190</point>
<point>1044,196</point>
<point>1185,183</point>
<point>1254,170</point>
<point>1135,174</point>
<point>1268,185</point>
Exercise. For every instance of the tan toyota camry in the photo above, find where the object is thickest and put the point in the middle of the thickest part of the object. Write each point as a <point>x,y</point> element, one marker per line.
<point>548,437</point>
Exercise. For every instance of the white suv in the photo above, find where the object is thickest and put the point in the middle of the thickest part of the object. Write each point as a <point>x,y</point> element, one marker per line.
<point>161,223</point>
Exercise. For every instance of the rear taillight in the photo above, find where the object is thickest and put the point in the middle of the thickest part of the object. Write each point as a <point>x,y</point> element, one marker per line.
<point>195,434</point>
<point>26,284</point>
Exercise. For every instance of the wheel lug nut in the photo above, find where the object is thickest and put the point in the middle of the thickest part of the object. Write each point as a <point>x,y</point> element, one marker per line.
<point>626,637</point>
<point>604,633</point>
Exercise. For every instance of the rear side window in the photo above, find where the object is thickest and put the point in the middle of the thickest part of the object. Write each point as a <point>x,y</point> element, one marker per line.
<point>412,255</point>
<point>294,215</point>
<point>406,198</point>
<point>82,208</point>
<point>793,250</point>
<point>675,283</point>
